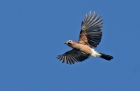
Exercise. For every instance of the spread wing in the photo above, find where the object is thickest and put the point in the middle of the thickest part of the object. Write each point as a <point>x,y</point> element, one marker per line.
<point>91,30</point>
<point>72,56</point>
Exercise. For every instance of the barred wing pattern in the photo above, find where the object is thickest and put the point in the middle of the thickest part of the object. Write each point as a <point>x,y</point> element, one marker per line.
<point>72,56</point>
<point>91,30</point>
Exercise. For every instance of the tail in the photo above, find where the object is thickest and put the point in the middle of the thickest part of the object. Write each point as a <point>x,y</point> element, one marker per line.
<point>105,56</point>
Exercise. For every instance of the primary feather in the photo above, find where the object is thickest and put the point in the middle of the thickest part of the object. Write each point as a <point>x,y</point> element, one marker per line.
<point>91,30</point>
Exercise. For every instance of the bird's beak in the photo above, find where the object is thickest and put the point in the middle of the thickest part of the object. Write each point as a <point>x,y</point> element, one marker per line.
<point>65,42</point>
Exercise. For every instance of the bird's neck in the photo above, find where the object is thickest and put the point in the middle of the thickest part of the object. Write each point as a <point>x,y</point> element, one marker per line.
<point>75,45</point>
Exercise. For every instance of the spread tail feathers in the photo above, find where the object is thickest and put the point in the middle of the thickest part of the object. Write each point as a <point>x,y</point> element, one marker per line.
<point>105,56</point>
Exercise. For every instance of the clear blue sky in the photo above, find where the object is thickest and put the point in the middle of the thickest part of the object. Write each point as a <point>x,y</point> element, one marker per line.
<point>33,32</point>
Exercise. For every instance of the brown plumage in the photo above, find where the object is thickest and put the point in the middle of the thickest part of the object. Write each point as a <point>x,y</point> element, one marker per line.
<point>90,37</point>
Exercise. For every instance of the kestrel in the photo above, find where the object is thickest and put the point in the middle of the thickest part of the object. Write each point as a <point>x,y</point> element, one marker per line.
<point>90,37</point>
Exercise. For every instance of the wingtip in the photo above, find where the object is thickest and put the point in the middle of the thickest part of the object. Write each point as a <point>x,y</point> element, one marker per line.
<point>94,12</point>
<point>90,12</point>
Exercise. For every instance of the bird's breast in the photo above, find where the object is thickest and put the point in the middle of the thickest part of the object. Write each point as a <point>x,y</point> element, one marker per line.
<point>86,49</point>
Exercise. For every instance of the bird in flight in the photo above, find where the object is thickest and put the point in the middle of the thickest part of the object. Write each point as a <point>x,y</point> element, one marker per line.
<point>90,36</point>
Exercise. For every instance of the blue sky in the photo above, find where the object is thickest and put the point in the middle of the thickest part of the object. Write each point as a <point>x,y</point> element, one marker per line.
<point>33,32</point>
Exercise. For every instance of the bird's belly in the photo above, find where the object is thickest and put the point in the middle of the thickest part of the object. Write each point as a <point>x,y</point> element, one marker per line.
<point>86,50</point>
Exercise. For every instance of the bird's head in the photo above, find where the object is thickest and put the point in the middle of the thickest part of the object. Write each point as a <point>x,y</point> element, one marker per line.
<point>69,43</point>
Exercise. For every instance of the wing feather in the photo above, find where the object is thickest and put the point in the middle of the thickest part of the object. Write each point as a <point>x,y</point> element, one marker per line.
<point>72,56</point>
<point>91,30</point>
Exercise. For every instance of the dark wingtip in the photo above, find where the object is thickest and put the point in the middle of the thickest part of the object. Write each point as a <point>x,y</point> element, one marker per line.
<point>62,58</point>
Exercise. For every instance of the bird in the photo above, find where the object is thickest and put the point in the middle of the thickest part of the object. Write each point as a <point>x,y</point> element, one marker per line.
<point>90,36</point>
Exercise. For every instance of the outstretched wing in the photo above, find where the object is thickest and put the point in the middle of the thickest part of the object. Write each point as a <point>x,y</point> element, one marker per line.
<point>91,30</point>
<point>72,56</point>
